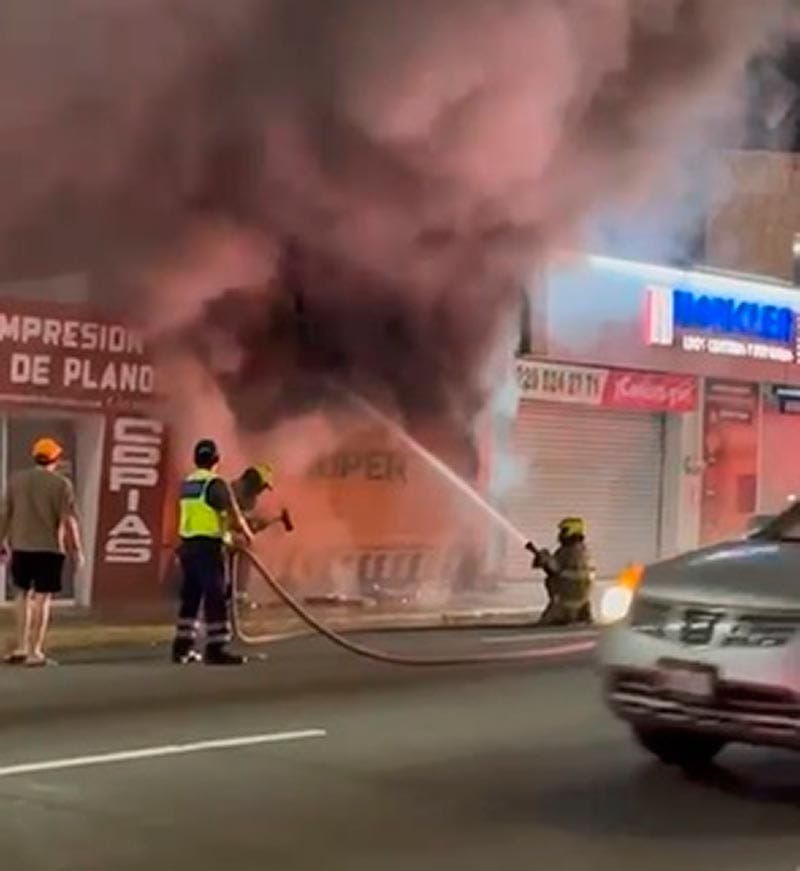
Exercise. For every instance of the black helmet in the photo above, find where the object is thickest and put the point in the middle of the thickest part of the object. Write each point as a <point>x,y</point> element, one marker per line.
<point>206,453</point>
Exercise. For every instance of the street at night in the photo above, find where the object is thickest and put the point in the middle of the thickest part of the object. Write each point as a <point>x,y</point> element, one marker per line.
<point>399,412</point>
<point>373,766</point>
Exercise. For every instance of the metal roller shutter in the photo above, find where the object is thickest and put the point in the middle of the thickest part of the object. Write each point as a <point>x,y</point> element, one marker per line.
<point>603,465</point>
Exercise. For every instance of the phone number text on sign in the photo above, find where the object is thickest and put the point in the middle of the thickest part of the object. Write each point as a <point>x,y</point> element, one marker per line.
<point>558,383</point>
<point>609,388</point>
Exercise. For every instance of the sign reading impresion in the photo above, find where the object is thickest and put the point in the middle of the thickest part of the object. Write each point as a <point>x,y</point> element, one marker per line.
<point>57,355</point>
<point>721,325</point>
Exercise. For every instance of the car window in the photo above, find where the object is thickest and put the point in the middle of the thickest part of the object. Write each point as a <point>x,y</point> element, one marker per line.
<point>784,527</point>
<point>791,532</point>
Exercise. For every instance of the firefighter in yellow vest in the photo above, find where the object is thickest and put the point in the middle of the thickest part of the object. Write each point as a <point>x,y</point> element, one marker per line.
<point>209,515</point>
<point>569,576</point>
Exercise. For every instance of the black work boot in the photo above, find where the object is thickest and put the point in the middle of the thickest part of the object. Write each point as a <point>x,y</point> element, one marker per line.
<point>220,655</point>
<point>184,654</point>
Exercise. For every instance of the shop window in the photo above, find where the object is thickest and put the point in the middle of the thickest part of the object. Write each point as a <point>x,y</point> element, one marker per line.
<point>792,531</point>
<point>746,486</point>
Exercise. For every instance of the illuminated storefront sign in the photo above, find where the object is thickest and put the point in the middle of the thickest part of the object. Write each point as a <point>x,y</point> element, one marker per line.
<point>721,325</point>
<point>608,388</point>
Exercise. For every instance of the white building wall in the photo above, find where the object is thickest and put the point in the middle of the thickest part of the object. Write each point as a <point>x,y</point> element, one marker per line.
<point>91,433</point>
<point>682,483</point>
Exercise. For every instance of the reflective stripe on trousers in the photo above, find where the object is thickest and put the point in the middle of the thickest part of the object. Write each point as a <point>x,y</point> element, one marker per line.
<point>203,565</point>
<point>218,633</point>
<point>186,629</point>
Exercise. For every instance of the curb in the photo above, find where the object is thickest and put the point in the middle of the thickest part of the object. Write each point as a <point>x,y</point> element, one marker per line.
<point>90,637</point>
<point>87,637</point>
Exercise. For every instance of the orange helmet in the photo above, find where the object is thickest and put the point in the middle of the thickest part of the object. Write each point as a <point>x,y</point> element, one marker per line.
<point>46,450</point>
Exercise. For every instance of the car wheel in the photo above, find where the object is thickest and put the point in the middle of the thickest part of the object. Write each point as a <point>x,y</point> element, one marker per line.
<point>678,747</point>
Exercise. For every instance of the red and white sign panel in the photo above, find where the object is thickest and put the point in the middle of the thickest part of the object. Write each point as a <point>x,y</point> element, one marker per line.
<point>607,388</point>
<point>556,383</point>
<point>650,392</point>
<point>56,355</point>
<point>131,508</point>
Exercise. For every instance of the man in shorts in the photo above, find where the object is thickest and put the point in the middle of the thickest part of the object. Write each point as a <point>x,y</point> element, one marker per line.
<point>39,517</point>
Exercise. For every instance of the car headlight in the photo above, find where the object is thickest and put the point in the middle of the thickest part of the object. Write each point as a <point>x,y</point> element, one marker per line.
<point>615,605</point>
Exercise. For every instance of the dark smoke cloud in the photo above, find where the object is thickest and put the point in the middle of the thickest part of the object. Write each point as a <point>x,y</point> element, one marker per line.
<point>395,165</point>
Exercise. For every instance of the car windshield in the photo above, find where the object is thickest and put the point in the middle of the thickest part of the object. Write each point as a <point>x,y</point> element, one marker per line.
<point>784,527</point>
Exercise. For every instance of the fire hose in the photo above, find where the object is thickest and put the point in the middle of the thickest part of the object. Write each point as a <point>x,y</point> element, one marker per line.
<point>569,649</point>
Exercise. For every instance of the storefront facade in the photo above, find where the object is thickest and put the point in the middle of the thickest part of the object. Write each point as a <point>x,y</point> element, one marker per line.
<point>596,442</point>
<point>661,405</point>
<point>375,522</point>
<point>88,381</point>
<point>658,405</point>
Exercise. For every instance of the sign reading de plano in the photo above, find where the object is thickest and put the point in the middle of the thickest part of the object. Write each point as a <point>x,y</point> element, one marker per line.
<point>62,356</point>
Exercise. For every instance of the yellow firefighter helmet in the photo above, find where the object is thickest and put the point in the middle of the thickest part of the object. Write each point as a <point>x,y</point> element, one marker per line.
<point>571,526</point>
<point>266,473</point>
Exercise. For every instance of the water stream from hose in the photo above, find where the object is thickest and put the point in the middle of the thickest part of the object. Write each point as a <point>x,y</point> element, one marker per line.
<point>440,466</point>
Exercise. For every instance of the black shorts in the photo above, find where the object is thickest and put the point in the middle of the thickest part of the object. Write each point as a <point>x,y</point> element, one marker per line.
<point>39,571</point>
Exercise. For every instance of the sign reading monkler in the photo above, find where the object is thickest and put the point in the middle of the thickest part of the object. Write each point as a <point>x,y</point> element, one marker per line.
<point>722,325</point>
<point>609,388</point>
<point>49,352</point>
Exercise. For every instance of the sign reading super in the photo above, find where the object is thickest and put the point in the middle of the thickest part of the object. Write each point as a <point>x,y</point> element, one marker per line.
<point>722,325</point>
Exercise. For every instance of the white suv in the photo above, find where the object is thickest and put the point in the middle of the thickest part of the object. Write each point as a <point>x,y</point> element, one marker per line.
<point>709,650</point>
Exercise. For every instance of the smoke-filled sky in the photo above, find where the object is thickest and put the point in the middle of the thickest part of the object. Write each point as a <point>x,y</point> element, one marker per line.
<point>381,172</point>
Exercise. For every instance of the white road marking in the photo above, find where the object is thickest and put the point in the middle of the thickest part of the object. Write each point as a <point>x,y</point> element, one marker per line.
<point>556,651</point>
<point>532,637</point>
<point>156,752</point>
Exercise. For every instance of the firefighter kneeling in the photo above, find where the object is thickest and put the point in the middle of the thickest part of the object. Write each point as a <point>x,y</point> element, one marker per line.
<point>570,576</point>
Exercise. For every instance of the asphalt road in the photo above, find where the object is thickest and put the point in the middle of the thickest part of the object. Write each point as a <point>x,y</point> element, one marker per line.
<point>372,767</point>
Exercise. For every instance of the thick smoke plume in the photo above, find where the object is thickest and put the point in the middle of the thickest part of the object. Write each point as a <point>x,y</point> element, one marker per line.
<point>342,192</point>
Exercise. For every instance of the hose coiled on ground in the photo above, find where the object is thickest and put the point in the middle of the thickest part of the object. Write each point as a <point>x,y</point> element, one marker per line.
<point>572,648</point>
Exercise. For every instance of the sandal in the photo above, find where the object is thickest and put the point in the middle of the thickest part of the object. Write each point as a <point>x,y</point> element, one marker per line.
<point>39,662</point>
<point>15,659</point>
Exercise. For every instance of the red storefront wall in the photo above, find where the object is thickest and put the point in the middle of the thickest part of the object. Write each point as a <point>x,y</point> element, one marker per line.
<point>68,360</point>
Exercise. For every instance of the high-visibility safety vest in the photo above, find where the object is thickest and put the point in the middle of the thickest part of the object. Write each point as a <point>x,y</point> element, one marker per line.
<point>197,518</point>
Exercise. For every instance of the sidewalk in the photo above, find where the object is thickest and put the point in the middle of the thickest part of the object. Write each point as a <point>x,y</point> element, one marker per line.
<point>76,630</point>
<point>146,626</point>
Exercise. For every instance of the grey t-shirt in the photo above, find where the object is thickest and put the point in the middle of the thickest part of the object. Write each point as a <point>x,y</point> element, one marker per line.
<point>36,505</point>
